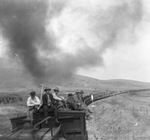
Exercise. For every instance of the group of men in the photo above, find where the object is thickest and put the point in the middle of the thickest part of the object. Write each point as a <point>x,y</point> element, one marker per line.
<point>54,100</point>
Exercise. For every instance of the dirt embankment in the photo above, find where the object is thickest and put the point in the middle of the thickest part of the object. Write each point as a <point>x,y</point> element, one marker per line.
<point>123,117</point>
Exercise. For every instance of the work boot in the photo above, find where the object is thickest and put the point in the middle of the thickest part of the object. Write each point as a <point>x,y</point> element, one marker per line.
<point>88,117</point>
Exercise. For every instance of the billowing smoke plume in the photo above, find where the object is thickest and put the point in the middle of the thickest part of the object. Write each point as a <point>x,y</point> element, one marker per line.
<point>23,25</point>
<point>53,39</point>
<point>90,31</point>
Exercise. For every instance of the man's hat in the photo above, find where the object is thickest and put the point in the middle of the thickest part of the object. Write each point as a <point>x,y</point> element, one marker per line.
<point>47,89</point>
<point>81,91</point>
<point>32,93</point>
<point>78,91</point>
<point>70,94</point>
<point>56,89</point>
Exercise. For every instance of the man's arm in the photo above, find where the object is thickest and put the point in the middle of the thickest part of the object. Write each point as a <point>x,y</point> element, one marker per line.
<point>29,102</point>
<point>56,97</point>
<point>75,106</point>
<point>37,101</point>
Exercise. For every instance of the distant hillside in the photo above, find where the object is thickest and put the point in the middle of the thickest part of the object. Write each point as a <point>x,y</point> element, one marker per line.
<point>14,81</point>
<point>113,84</point>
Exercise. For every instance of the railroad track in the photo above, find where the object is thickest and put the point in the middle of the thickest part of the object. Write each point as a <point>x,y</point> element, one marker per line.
<point>95,97</point>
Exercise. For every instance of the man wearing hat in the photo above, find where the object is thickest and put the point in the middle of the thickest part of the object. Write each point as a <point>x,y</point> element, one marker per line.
<point>47,100</point>
<point>80,99</point>
<point>55,94</point>
<point>59,101</point>
<point>79,96</point>
<point>32,102</point>
<point>71,102</point>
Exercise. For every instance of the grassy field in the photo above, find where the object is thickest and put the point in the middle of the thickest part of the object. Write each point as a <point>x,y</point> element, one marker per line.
<point>8,111</point>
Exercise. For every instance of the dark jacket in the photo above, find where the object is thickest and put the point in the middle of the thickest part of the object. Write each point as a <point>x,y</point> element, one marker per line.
<point>71,103</point>
<point>80,97</point>
<point>45,99</point>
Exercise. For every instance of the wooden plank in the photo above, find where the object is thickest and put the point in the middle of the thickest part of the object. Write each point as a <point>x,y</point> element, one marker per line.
<point>55,131</point>
<point>47,136</point>
<point>42,132</point>
<point>16,134</point>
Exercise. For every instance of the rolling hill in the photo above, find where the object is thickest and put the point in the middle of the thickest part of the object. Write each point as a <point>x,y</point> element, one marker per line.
<point>84,82</point>
<point>17,82</point>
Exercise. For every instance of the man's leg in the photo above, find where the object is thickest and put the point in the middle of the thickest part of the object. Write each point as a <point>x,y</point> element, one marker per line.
<point>28,114</point>
<point>87,113</point>
<point>45,112</point>
<point>31,115</point>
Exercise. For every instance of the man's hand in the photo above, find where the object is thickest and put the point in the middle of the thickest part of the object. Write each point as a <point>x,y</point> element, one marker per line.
<point>36,106</point>
<point>79,104</point>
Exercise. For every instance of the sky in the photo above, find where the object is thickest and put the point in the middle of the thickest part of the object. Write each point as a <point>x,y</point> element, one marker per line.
<point>130,59</point>
<point>50,39</point>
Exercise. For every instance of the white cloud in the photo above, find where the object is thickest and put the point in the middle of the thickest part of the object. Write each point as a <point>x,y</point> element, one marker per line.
<point>127,61</point>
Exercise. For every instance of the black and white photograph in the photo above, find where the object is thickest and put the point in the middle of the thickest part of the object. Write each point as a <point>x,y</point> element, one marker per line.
<point>74,70</point>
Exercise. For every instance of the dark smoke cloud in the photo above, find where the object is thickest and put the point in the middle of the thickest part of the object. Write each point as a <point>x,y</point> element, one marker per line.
<point>63,68</point>
<point>23,24</point>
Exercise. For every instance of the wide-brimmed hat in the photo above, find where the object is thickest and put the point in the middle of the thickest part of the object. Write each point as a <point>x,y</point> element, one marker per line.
<point>79,91</point>
<point>56,89</point>
<point>32,93</point>
<point>47,89</point>
<point>70,94</point>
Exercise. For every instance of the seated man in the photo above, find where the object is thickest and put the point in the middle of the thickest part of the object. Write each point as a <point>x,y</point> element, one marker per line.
<point>32,102</point>
<point>47,101</point>
<point>59,101</point>
<point>80,100</point>
<point>74,104</point>
<point>71,102</point>
<point>78,97</point>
